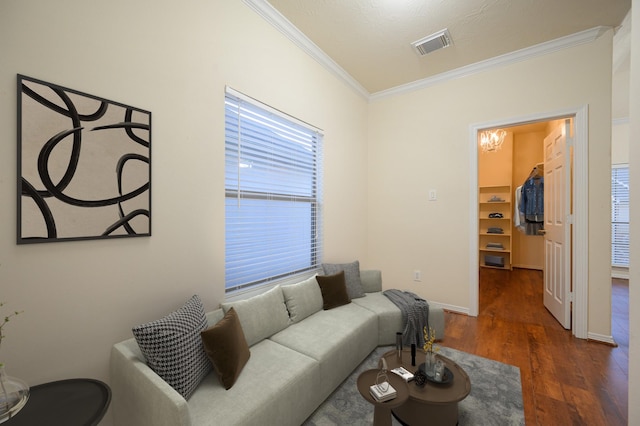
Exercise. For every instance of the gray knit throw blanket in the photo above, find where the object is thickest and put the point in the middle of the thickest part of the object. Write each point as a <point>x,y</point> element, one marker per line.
<point>415,315</point>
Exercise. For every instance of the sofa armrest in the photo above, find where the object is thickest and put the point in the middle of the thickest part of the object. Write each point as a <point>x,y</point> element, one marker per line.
<point>371,280</point>
<point>140,396</point>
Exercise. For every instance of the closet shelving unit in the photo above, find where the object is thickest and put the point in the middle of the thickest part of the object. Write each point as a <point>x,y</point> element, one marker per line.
<point>485,208</point>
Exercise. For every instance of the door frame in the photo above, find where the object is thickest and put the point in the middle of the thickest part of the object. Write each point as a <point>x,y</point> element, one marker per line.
<point>580,208</point>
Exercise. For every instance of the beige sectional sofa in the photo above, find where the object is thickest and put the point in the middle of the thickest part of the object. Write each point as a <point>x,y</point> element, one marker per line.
<point>295,362</point>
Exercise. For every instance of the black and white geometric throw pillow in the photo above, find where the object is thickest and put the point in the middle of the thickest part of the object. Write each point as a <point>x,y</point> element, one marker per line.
<point>173,347</point>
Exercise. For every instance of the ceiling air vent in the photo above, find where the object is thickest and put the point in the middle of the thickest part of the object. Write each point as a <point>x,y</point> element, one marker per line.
<point>436,41</point>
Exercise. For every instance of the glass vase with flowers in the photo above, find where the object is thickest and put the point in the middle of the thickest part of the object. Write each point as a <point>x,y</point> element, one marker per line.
<point>14,393</point>
<point>430,350</point>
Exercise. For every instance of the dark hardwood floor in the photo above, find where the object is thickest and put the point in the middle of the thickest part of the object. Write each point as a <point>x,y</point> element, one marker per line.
<point>565,380</point>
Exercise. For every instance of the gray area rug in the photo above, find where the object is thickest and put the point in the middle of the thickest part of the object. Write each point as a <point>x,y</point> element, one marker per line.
<point>495,398</point>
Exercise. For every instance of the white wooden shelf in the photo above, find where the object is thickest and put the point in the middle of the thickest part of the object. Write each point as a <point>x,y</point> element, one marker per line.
<point>486,207</point>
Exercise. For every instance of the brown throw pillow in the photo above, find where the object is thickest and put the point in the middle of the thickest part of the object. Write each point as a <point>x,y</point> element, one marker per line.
<point>226,348</point>
<point>334,290</point>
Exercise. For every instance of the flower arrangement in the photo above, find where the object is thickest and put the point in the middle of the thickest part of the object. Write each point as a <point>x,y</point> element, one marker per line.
<point>429,339</point>
<point>4,322</point>
<point>14,393</point>
<point>429,349</point>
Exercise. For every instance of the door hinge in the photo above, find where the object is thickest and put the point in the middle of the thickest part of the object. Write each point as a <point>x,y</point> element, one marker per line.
<point>570,219</point>
<point>570,297</point>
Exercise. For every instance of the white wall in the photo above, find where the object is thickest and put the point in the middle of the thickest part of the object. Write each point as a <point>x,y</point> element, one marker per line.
<point>620,142</point>
<point>420,140</point>
<point>634,193</point>
<point>174,59</point>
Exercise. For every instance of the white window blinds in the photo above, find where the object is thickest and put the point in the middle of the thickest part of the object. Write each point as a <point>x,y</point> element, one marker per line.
<point>273,194</point>
<point>620,216</point>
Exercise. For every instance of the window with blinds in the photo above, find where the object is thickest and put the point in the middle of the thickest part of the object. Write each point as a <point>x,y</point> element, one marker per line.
<point>273,194</point>
<point>620,216</point>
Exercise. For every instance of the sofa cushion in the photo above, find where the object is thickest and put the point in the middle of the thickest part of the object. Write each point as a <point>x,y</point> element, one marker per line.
<point>214,316</point>
<point>390,317</point>
<point>338,339</point>
<point>302,299</point>
<point>226,348</point>
<point>351,274</point>
<point>278,386</point>
<point>333,289</point>
<point>261,316</point>
<point>371,280</point>
<point>173,348</point>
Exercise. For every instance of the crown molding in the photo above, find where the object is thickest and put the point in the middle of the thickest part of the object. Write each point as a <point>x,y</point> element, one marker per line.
<point>282,24</point>
<point>582,37</point>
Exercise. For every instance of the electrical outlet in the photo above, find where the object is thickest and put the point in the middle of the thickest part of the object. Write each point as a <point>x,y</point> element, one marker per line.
<point>417,275</point>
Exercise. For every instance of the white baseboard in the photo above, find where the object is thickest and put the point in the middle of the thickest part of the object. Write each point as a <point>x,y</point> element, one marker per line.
<point>447,307</point>
<point>602,338</point>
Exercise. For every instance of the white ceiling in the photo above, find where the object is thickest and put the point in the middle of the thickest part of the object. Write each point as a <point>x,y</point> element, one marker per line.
<point>370,39</point>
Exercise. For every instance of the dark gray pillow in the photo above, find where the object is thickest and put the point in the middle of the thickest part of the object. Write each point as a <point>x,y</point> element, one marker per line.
<point>351,276</point>
<point>173,347</point>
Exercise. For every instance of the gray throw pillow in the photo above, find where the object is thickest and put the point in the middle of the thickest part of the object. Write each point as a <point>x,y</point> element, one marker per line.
<point>173,347</point>
<point>351,276</point>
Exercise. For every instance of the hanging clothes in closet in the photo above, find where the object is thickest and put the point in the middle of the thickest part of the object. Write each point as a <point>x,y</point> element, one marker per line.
<point>531,202</point>
<point>518,216</point>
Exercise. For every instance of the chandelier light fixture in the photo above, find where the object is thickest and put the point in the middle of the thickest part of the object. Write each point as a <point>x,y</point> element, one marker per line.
<point>491,140</point>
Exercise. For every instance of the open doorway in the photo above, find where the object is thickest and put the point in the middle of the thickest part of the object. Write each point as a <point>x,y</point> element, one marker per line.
<point>578,201</point>
<point>517,207</point>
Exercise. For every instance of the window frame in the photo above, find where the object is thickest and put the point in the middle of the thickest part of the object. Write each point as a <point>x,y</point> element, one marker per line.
<point>617,243</point>
<point>308,162</point>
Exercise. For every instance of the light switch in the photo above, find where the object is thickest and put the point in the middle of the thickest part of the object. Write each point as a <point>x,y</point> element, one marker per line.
<point>433,195</point>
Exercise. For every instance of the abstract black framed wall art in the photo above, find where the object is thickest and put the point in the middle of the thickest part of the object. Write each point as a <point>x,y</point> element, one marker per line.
<point>84,166</point>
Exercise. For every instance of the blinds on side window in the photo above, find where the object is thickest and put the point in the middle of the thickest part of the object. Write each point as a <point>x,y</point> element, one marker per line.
<point>620,216</point>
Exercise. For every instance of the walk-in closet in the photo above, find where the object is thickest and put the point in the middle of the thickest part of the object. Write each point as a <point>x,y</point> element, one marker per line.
<point>511,196</point>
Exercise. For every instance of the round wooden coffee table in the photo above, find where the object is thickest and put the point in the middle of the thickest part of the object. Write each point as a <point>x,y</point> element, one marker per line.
<point>382,410</point>
<point>434,403</point>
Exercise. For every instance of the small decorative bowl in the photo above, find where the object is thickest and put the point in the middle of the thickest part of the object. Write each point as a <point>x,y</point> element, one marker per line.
<point>420,377</point>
